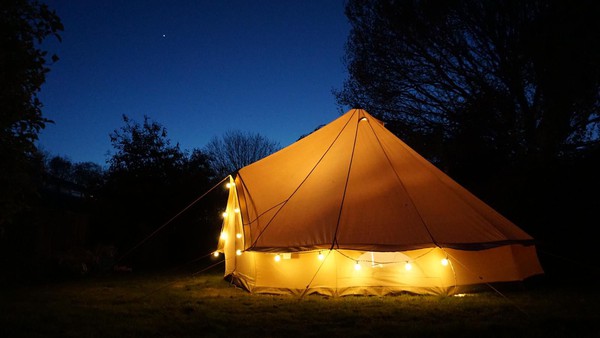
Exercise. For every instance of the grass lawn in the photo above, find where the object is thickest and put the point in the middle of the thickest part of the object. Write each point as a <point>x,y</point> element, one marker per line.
<point>205,305</point>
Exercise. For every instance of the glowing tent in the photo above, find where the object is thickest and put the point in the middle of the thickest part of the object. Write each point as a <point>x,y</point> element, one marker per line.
<point>351,209</point>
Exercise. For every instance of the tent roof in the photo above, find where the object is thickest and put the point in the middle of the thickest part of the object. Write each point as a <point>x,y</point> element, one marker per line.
<point>354,185</point>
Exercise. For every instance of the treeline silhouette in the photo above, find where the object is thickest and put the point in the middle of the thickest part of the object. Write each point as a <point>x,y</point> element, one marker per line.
<point>86,218</point>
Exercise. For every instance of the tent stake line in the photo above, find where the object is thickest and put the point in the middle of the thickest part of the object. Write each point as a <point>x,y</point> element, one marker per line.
<point>170,220</point>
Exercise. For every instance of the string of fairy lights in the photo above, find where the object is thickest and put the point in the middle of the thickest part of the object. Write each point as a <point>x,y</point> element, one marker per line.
<point>278,257</point>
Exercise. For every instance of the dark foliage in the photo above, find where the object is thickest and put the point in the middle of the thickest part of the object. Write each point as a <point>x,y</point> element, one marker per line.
<point>477,85</point>
<point>149,181</point>
<point>23,67</point>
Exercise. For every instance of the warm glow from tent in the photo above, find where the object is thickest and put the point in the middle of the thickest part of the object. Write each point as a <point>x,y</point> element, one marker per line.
<point>321,256</point>
<point>223,236</point>
<point>216,254</point>
<point>331,196</point>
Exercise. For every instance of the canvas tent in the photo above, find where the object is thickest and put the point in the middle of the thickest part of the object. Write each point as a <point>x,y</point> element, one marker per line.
<point>351,209</point>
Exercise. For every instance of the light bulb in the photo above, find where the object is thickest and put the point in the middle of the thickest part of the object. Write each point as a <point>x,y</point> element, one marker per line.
<point>408,266</point>
<point>357,266</point>
<point>277,258</point>
<point>238,252</point>
<point>223,236</point>
<point>224,214</point>
<point>216,254</point>
<point>238,235</point>
<point>444,261</point>
<point>321,256</point>
<point>230,185</point>
<point>236,210</point>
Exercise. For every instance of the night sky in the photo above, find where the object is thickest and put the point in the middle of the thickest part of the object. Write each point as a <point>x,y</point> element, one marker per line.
<point>199,68</point>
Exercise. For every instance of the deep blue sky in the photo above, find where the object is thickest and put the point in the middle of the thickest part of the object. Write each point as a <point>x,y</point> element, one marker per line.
<point>199,68</point>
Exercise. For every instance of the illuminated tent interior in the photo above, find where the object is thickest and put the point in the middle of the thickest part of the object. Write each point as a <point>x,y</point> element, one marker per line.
<point>351,209</point>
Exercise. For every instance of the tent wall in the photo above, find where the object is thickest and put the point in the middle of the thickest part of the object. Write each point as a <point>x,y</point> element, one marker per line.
<point>355,193</point>
<point>380,273</point>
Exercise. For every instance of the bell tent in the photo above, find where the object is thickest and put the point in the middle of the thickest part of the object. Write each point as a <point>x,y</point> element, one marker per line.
<point>351,209</point>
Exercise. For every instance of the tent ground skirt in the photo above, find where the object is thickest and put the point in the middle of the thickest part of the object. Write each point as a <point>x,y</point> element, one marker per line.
<point>335,273</point>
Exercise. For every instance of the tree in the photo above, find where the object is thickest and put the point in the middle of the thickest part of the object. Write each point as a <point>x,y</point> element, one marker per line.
<point>141,177</point>
<point>144,148</point>
<point>474,83</point>
<point>236,149</point>
<point>23,67</point>
<point>89,176</point>
<point>147,183</point>
<point>61,168</point>
<point>84,177</point>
